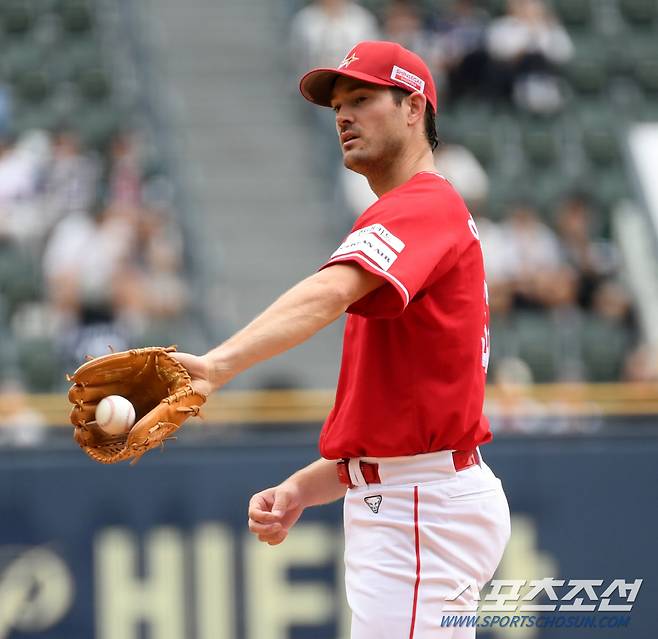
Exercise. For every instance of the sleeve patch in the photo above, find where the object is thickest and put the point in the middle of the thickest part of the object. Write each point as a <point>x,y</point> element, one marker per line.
<point>394,242</point>
<point>371,246</point>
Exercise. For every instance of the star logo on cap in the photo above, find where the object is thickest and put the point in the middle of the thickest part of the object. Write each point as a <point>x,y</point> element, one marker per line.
<point>347,61</point>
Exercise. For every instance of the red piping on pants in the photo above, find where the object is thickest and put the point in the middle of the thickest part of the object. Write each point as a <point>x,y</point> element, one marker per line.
<point>417,537</point>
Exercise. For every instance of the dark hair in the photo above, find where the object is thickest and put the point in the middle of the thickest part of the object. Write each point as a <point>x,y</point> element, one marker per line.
<point>430,117</point>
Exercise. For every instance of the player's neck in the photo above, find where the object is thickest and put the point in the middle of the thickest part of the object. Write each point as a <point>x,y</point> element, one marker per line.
<point>405,166</point>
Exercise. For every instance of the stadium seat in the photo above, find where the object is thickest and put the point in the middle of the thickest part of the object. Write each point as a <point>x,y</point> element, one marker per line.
<point>646,72</point>
<point>76,17</point>
<point>587,72</point>
<point>597,129</point>
<point>495,7</point>
<point>97,125</point>
<point>94,84</point>
<point>601,145</point>
<point>33,87</point>
<point>19,58</point>
<point>501,195</point>
<point>640,14</point>
<point>480,142</point>
<point>544,189</point>
<point>604,346</point>
<point>574,14</point>
<point>470,124</point>
<point>539,142</point>
<point>74,56</point>
<point>39,365</point>
<point>537,344</point>
<point>17,18</point>
<point>611,185</point>
<point>19,276</point>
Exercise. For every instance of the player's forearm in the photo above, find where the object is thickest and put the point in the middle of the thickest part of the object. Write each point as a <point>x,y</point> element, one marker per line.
<point>292,319</point>
<point>318,483</point>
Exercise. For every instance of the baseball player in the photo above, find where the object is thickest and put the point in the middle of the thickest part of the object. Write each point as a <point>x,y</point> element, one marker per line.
<point>424,515</point>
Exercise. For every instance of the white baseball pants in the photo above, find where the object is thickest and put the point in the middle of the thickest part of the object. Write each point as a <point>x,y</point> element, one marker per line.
<point>412,540</point>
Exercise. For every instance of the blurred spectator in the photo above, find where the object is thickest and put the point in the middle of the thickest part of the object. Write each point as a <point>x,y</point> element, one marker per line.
<point>592,259</point>
<point>540,277</point>
<point>22,166</point>
<point>610,332</point>
<point>20,424</point>
<point>458,165</point>
<point>71,179</point>
<point>512,408</point>
<point>321,34</point>
<point>125,174</point>
<point>85,257</point>
<point>356,191</point>
<point>612,302</point>
<point>526,47</point>
<point>152,287</point>
<point>460,52</point>
<point>403,24</point>
<point>641,365</point>
<point>499,264</point>
<point>325,30</point>
<point>95,332</point>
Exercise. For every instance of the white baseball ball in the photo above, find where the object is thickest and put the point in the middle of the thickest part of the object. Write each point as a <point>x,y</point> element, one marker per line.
<point>115,415</point>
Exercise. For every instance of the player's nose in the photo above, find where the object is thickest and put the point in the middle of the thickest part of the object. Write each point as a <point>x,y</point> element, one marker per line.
<point>343,119</point>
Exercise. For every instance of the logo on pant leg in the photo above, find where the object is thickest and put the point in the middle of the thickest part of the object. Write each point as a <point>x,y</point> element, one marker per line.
<point>373,502</point>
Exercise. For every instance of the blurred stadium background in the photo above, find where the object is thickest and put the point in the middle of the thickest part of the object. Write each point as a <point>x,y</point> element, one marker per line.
<point>161,181</point>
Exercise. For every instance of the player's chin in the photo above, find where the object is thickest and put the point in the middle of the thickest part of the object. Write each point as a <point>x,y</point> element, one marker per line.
<point>354,160</point>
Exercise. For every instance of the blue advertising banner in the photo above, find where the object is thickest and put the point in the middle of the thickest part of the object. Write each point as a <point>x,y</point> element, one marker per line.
<point>161,549</point>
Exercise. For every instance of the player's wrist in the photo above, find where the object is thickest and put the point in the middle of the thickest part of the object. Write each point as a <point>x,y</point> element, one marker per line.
<point>219,373</point>
<point>295,487</point>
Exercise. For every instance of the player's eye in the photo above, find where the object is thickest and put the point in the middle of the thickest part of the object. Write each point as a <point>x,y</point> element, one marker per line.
<point>359,99</point>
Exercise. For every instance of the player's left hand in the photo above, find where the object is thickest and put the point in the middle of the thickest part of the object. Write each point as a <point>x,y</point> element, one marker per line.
<point>273,512</point>
<point>157,385</point>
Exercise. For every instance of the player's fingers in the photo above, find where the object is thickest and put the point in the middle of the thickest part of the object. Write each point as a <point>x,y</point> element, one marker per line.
<point>282,503</point>
<point>263,516</point>
<point>279,538</point>
<point>262,501</point>
<point>273,538</point>
<point>260,508</point>
<point>260,528</point>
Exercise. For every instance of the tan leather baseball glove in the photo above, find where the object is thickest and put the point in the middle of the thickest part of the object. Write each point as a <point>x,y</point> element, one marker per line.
<point>157,385</point>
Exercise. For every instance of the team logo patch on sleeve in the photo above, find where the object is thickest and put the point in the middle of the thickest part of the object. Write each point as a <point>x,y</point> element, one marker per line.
<point>375,242</point>
<point>394,242</point>
<point>374,502</point>
<point>370,246</point>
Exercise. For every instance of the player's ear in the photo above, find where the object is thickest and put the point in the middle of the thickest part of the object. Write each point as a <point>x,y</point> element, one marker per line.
<point>417,102</point>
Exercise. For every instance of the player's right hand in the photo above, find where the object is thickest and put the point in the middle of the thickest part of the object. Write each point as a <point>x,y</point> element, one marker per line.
<point>199,370</point>
<point>273,512</point>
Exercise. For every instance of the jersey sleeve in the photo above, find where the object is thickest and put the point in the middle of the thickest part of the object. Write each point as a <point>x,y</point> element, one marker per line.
<point>407,243</point>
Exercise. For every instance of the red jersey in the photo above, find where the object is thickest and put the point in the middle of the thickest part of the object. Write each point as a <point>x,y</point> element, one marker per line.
<point>416,350</point>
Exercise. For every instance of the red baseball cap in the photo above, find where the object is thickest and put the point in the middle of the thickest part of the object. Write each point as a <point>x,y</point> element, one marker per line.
<point>384,63</point>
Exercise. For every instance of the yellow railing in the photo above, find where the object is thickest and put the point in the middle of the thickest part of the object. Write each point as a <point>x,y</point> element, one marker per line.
<point>304,406</point>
